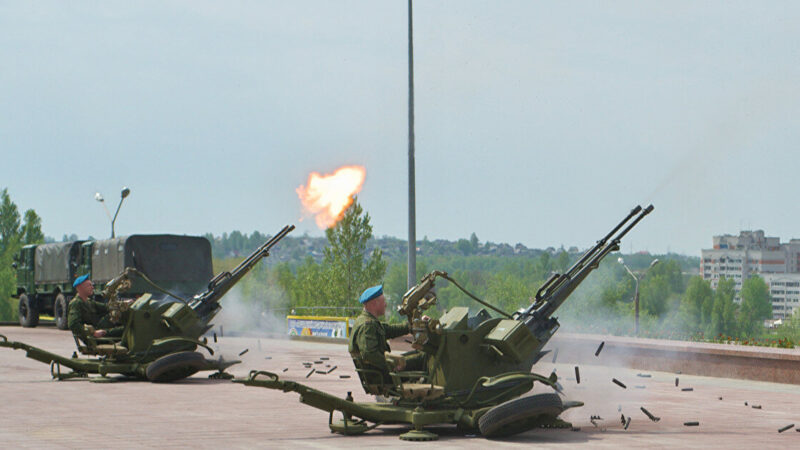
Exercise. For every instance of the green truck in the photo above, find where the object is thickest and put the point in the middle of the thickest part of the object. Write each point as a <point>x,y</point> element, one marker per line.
<point>45,272</point>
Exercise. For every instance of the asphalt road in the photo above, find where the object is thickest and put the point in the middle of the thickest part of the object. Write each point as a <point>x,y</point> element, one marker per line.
<point>201,413</point>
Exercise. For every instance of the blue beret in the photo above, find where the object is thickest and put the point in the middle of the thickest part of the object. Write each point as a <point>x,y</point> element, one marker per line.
<point>370,293</point>
<point>80,280</point>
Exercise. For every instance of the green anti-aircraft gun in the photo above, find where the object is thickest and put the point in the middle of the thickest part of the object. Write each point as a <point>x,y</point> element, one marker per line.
<point>160,339</point>
<point>478,367</point>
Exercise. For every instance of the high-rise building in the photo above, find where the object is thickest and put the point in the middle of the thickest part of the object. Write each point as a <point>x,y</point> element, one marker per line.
<point>753,253</point>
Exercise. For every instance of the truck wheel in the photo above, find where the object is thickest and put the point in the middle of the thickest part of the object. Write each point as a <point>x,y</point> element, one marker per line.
<point>28,312</point>
<point>175,366</point>
<point>520,415</point>
<point>60,307</point>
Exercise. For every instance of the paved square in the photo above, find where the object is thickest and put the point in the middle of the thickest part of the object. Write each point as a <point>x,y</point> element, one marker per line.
<point>202,413</point>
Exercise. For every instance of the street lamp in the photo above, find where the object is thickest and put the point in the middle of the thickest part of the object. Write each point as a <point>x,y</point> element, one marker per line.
<point>636,277</point>
<point>99,197</point>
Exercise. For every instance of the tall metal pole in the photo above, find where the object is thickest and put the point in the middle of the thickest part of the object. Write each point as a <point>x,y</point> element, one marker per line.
<point>412,220</point>
<point>636,307</point>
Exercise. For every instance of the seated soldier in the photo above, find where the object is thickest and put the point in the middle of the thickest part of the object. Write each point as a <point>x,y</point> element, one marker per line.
<point>369,347</point>
<point>83,310</point>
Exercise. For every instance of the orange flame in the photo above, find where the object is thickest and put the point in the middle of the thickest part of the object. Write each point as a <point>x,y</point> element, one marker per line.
<point>328,196</point>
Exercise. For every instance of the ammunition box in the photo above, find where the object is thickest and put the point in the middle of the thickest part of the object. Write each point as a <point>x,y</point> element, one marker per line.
<point>181,317</point>
<point>513,339</point>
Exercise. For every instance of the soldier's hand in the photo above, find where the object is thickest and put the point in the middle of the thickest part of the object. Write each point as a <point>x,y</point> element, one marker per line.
<point>99,333</point>
<point>426,318</point>
<point>401,364</point>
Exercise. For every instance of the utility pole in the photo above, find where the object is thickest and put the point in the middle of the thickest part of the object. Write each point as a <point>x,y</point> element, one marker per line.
<point>412,219</point>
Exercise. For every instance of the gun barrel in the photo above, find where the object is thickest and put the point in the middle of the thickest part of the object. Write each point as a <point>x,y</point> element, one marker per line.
<point>206,302</point>
<point>556,280</point>
<point>556,290</point>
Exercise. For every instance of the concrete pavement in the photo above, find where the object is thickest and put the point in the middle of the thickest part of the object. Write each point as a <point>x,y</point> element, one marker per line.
<point>201,413</point>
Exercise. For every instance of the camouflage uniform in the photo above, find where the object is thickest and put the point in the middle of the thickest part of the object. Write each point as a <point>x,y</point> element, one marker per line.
<point>368,347</point>
<point>90,312</point>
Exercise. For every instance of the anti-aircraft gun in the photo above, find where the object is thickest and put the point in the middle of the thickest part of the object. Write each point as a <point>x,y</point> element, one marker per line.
<point>160,337</point>
<point>477,367</point>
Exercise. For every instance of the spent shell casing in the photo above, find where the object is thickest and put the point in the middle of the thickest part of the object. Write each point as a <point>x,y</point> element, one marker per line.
<point>215,337</point>
<point>285,369</point>
<point>787,427</point>
<point>677,381</point>
<point>649,414</point>
<point>600,348</point>
<point>309,373</point>
<point>324,358</point>
<point>644,375</point>
<point>244,351</point>
<point>619,383</point>
<point>687,389</point>
<point>332,369</point>
<point>756,406</point>
<point>555,355</point>
<point>628,422</point>
<point>622,418</point>
<point>344,376</point>
<point>691,424</point>
<point>268,357</point>
<point>577,375</point>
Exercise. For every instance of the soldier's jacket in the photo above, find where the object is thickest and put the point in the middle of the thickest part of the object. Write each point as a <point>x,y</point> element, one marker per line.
<point>368,341</point>
<point>89,312</point>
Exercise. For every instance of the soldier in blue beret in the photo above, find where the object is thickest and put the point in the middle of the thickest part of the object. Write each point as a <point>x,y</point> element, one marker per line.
<point>84,310</point>
<point>369,347</point>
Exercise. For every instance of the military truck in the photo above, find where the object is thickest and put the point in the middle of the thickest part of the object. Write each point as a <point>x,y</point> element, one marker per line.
<point>45,272</point>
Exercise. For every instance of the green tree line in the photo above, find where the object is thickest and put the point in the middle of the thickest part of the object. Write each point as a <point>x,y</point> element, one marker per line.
<point>15,231</point>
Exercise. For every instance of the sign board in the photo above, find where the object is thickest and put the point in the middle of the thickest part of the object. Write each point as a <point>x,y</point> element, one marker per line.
<point>319,326</point>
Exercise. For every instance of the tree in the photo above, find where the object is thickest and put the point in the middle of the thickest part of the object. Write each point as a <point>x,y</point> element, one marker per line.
<point>690,311</point>
<point>9,222</point>
<point>562,261</point>
<point>654,295</point>
<point>723,313</point>
<point>31,232</point>
<point>348,269</point>
<point>464,246</point>
<point>474,243</point>
<point>756,306</point>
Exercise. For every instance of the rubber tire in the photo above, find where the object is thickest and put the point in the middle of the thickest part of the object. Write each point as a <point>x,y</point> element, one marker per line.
<point>60,311</point>
<point>514,416</point>
<point>28,312</point>
<point>175,366</point>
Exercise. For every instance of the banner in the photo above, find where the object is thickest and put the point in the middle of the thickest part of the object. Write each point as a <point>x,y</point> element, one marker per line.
<point>330,327</point>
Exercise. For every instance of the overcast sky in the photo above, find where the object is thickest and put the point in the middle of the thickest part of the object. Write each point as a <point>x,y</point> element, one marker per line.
<point>536,122</point>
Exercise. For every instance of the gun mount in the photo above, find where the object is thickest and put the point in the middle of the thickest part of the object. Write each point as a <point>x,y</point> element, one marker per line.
<point>161,337</point>
<point>478,368</point>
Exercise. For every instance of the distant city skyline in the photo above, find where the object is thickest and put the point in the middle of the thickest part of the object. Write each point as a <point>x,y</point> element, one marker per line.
<point>536,123</point>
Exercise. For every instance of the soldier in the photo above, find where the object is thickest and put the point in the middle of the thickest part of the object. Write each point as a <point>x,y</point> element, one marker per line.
<point>369,347</point>
<point>85,311</point>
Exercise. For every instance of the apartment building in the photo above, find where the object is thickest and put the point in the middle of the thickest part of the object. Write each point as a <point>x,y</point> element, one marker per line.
<point>752,253</point>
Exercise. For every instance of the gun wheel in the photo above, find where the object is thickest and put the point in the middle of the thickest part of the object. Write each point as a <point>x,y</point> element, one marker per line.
<point>175,366</point>
<point>521,414</point>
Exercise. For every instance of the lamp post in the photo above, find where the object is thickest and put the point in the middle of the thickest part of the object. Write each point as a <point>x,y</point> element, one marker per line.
<point>99,197</point>
<point>636,277</point>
